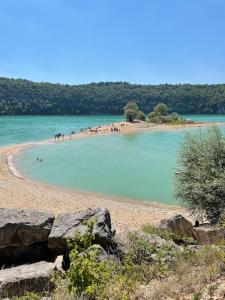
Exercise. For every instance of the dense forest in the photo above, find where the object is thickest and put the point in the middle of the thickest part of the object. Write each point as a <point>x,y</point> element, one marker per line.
<point>23,97</point>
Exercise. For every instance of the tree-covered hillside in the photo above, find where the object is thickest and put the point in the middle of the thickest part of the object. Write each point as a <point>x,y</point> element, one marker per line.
<point>19,97</point>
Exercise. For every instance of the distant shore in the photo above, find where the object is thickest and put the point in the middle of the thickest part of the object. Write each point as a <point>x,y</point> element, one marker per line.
<point>19,192</point>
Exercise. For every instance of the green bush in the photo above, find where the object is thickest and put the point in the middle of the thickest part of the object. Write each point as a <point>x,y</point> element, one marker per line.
<point>28,296</point>
<point>132,112</point>
<point>130,115</point>
<point>131,105</point>
<point>161,109</point>
<point>141,116</point>
<point>201,174</point>
<point>167,235</point>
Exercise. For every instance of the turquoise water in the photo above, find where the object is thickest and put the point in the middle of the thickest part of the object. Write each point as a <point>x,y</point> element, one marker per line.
<point>139,166</point>
<point>20,129</point>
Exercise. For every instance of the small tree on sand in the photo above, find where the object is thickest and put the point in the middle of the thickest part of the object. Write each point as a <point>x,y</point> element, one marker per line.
<point>131,111</point>
<point>141,116</point>
<point>200,180</point>
<point>130,115</point>
<point>161,109</point>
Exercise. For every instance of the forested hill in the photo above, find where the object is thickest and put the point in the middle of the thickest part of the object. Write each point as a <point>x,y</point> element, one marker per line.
<point>20,97</point>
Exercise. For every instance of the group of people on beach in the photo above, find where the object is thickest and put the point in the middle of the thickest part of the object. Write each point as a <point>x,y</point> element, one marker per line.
<point>98,129</point>
<point>90,130</point>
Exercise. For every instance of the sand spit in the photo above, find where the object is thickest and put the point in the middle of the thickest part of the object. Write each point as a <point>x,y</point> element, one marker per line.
<point>19,192</point>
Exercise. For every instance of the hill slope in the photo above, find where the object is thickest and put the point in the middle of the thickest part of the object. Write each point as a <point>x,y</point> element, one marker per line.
<point>21,97</point>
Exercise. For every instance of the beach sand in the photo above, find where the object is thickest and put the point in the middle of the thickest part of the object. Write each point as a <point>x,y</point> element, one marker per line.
<point>18,192</point>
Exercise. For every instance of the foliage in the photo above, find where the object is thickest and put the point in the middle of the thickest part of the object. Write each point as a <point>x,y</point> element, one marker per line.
<point>23,97</point>
<point>201,173</point>
<point>160,115</point>
<point>161,109</point>
<point>28,296</point>
<point>86,275</point>
<point>174,117</point>
<point>141,116</point>
<point>131,111</point>
<point>130,115</point>
<point>167,235</point>
<point>132,106</point>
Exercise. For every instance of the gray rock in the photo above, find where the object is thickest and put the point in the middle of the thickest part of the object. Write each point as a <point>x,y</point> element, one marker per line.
<point>23,236</point>
<point>177,224</point>
<point>24,227</point>
<point>97,250</point>
<point>209,234</point>
<point>123,242</point>
<point>65,226</point>
<point>26,278</point>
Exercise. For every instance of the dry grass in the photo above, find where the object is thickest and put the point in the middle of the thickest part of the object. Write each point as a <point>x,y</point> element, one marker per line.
<point>189,276</point>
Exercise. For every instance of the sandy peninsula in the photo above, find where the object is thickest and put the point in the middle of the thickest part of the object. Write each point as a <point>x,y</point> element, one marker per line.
<point>18,192</point>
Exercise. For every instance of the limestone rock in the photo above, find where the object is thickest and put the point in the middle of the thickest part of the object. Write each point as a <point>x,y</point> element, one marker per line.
<point>209,234</point>
<point>23,236</point>
<point>123,242</point>
<point>98,251</point>
<point>18,280</point>
<point>24,227</point>
<point>65,226</point>
<point>177,224</point>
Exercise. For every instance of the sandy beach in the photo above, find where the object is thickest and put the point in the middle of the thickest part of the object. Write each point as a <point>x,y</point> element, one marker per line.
<point>18,192</point>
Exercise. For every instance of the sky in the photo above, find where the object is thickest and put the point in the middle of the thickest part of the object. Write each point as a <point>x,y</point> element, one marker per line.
<point>138,41</point>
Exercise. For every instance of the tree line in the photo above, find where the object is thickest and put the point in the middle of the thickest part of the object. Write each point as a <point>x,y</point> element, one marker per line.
<point>23,97</point>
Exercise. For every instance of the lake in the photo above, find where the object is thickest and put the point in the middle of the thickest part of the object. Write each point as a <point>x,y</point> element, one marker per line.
<point>138,166</point>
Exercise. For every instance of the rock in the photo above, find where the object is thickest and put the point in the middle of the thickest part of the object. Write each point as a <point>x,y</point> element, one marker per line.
<point>59,263</point>
<point>97,250</point>
<point>24,227</point>
<point>177,224</point>
<point>23,235</point>
<point>208,233</point>
<point>26,278</point>
<point>123,241</point>
<point>65,226</point>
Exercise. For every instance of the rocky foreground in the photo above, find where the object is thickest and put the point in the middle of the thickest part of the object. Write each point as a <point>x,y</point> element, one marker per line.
<point>33,244</point>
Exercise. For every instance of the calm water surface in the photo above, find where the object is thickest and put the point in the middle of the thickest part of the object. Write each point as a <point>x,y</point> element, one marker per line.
<point>20,129</point>
<point>139,166</point>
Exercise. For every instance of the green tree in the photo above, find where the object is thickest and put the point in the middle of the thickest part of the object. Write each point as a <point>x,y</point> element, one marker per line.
<point>161,109</point>
<point>131,111</point>
<point>130,115</point>
<point>141,116</point>
<point>131,105</point>
<point>174,117</point>
<point>200,180</point>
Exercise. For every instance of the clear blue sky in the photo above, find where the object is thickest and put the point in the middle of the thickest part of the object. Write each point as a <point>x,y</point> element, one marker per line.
<point>139,41</point>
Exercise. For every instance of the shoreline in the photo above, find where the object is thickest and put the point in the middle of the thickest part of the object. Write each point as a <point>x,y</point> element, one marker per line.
<point>17,191</point>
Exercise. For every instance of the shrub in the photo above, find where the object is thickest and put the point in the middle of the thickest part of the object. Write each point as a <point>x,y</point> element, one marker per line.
<point>131,105</point>
<point>167,235</point>
<point>132,112</point>
<point>174,117</point>
<point>201,174</point>
<point>141,116</point>
<point>130,115</point>
<point>161,109</point>
<point>28,296</point>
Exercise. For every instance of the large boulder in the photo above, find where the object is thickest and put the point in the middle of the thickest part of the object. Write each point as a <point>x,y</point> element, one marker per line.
<point>177,224</point>
<point>26,278</point>
<point>65,226</point>
<point>209,234</point>
<point>23,235</point>
<point>24,227</point>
